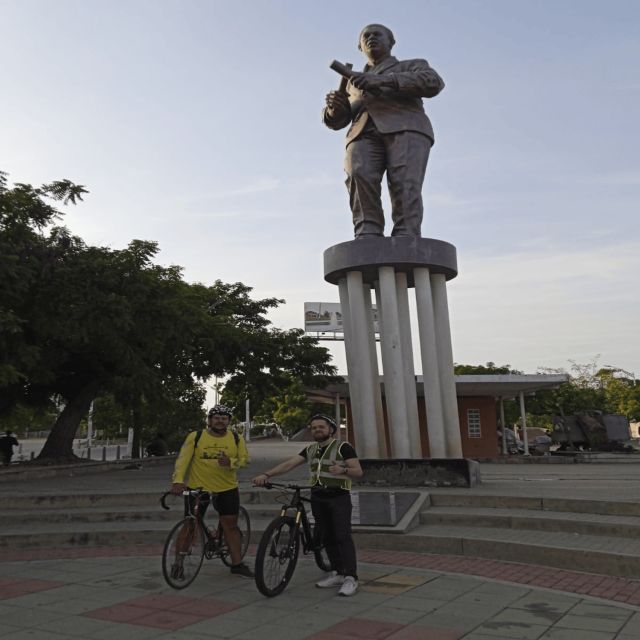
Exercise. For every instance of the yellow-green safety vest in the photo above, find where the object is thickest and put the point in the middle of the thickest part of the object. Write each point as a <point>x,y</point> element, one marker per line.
<point>319,463</point>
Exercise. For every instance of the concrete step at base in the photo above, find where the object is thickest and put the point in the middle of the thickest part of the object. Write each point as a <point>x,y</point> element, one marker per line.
<point>104,534</point>
<point>88,500</point>
<point>570,505</point>
<point>30,519</point>
<point>595,554</point>
<point>567,522</point>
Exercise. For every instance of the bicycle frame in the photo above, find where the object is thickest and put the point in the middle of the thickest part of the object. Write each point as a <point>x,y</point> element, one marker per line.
<point>192,539</point>
<point>301,519</point>
<point>192,510</point>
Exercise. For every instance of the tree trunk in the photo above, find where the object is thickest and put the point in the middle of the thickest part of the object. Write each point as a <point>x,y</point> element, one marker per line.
<point>59,444</point>
<point>136,419</point>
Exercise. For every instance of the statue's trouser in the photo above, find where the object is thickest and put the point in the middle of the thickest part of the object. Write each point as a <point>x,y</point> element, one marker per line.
<point>404,157</point>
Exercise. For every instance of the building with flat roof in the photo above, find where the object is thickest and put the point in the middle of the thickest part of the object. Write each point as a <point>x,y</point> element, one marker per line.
<point>480,403</point>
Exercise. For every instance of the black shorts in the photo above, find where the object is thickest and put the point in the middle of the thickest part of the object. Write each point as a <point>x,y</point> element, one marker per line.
<point>226,503</point>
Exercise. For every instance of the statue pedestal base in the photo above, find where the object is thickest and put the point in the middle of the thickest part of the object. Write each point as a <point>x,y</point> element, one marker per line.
<point>390,267</point>
<point>409,472</point>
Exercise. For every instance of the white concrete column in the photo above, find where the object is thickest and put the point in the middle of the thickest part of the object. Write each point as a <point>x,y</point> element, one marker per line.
<point>429,355</point>
<point>349,348</point>
<point>392,365</point>
<point>523,417</point>
<point>410,389</point>
<point>504,428</point>
<point>375,375</point>
<point>445,366</point>
<point>364,419</point>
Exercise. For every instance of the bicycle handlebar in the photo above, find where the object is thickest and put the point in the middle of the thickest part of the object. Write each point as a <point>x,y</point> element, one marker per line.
<point>162,500</point>
<point>293,487</point>
<point>186,492</point>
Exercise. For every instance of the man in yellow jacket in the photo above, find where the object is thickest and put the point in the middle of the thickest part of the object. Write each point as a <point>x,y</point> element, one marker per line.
<point>210,459</point>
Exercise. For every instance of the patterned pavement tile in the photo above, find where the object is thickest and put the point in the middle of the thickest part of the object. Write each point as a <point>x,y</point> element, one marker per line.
<point>120,613</point>
<point>426,633</point>
<point>164,611</point>
<point>387,588</point>
<point>359,628</point>
<point>16,587</point>
<point>513,630</point>
<point>589,623</point>
<point>402,578</point>
<point>168,619</point>
<point>573,634</point>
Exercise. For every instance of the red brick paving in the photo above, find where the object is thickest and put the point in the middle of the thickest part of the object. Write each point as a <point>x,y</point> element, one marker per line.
<point>607,587</point>
<point>16,587</point>
<point>163,611</point>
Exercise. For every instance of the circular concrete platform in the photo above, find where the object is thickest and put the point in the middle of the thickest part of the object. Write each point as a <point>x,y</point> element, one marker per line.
<point>403,253</point>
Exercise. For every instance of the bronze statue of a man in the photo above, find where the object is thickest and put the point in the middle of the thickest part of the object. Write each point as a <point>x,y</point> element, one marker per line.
<point>389,132</point>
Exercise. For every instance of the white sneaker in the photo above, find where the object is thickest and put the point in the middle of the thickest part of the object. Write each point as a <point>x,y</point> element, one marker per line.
<point>349,586</point>
<point>330,580</point>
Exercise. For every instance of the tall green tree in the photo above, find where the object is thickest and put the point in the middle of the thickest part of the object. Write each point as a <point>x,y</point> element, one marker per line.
<point>490,368</point>
<point>81,321</point>
<point>273,364</point>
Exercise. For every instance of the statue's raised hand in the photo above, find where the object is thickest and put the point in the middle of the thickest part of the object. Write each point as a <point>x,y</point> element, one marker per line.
<point>337,103</point>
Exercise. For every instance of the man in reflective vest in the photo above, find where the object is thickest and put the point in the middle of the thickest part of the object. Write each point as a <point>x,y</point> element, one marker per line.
<point>332,466</point>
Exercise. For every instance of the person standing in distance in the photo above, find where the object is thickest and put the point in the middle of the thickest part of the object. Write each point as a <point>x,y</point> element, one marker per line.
<point>210,459</point>
<point>7,442</point>
<point>332,466</point>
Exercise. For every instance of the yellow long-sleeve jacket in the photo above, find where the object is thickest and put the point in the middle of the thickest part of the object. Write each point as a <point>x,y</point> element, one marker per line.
<point>199,465</point>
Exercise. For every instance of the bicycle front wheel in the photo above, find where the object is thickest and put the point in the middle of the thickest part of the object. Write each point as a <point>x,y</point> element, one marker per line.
<point>244,526</point>
<point>277,556</point>
<point>183,553</point>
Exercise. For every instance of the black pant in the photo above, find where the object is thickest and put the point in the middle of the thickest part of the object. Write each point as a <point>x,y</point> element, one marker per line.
<point>332,513</point>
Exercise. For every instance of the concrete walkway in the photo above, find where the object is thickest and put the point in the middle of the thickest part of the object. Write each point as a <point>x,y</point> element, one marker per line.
<point>120,593</point>
<point>125,597</point>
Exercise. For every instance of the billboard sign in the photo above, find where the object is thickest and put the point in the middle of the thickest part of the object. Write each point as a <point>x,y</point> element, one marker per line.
<point>326,317</point>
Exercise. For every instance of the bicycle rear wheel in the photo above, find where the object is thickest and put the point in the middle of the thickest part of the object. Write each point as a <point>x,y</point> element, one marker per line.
<point>244,525</point>
<point>277,556</point>
<point>183,553</point>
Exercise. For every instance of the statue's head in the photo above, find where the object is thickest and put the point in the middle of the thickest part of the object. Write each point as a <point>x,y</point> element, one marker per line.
<point>376,41</point>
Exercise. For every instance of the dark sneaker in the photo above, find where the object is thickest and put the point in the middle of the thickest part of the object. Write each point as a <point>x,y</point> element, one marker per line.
<point>241,570</point>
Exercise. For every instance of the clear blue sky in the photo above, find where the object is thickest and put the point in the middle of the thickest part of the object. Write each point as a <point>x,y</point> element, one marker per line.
<point>197,124</point>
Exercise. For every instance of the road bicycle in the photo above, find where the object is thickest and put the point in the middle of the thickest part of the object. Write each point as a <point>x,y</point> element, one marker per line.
<point>279,546</point>
<point>192,539</point>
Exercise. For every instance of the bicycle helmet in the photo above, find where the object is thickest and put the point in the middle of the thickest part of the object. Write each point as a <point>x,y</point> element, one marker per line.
<point>221,410</point>
<point>330,421</point>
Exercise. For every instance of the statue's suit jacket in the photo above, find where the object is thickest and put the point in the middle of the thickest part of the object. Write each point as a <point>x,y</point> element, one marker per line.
<point>392,109</point>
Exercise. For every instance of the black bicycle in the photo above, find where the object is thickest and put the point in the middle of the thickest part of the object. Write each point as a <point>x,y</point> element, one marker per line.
<point>279,546</point>
<point>193,539</point>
